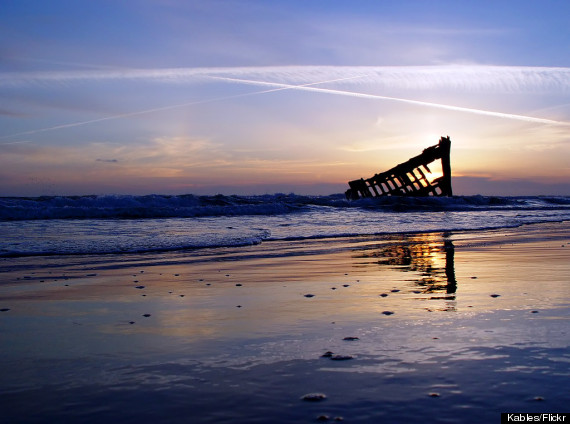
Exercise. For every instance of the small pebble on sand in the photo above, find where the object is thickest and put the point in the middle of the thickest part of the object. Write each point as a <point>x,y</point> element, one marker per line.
<point>495,295</point>
<point>434,394</point>
<point>327,354</point>
<point>238,285</point>
<point>314,397</point>
<point>4,309</point>
<point>309,295</point>
<point>383,295</point>
<point>351,338</point>
<point>146,315</point>
<point>534,312</point>
<point>139,287</point>
<point>395,291</point>
<point>346,285</point>
<point>341,357</point>
<point>388,313</point>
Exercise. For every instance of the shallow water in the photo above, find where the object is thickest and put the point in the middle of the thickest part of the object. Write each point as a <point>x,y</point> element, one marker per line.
<point>231,336</point>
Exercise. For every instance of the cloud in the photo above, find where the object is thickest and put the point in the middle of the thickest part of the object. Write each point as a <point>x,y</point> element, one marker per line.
<point>134,113</point>
<point>11,114</point>
<point>470,185</point>
<point>456,77</point>
<point>161,157</point>
<point>173,152</point>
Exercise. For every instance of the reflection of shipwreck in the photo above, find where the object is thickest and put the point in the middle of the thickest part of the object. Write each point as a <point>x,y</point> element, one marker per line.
<point>429,256</point>
<point>408,178</point>
<point>424,254</point>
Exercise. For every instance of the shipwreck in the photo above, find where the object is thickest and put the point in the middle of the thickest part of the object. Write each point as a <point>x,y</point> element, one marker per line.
<point>409,178</point>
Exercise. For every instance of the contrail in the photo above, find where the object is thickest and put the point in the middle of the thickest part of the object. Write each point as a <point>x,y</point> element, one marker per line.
<point>159,109</point>
<point>455,77</point>
<point>126,115</point>
<point>397,99</point>
<point>282,86</point>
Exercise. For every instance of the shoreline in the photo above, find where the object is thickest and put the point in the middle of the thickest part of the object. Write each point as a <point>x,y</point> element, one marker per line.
<point>539,230</point>
<point>436,323</point>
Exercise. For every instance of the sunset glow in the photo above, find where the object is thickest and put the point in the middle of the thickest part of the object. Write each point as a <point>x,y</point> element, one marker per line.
<point>256,97</point>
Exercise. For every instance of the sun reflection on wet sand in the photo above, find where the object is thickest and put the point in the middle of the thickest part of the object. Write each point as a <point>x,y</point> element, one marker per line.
<point>430,257</point>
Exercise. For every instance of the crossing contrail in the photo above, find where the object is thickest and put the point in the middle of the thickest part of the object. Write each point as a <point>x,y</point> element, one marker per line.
<point>493,79</point>
<point>397,99</point>
<point>159,109</point>
<point>282,86</point>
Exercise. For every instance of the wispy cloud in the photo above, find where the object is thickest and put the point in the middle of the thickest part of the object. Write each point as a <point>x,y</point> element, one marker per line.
<point>476,78</point>
<point>197,160</point>
<point>130,114</point>
<point>462,77</point>
<point>11,114</point>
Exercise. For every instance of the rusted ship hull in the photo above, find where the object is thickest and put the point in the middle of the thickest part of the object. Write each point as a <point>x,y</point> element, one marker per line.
<point>408,178</point>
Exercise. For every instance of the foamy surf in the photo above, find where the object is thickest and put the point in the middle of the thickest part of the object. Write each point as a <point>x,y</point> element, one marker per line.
<point>132,224</point>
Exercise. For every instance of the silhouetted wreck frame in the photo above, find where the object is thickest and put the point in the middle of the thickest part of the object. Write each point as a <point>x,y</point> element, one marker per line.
<point>408,178</point>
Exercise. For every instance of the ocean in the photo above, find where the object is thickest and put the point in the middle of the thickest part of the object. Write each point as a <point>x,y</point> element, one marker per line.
<point>117,224</point>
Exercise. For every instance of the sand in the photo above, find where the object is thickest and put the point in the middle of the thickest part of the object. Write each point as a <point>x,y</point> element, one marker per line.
<point>456,327</point>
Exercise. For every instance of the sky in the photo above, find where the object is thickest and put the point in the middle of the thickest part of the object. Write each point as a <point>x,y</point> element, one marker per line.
<point>255,97</point>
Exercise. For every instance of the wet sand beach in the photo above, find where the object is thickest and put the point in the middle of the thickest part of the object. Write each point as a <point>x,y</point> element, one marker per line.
<point>457,327</point>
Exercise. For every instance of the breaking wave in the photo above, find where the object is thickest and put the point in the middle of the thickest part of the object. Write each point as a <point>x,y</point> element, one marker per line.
<point>190,206</point>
